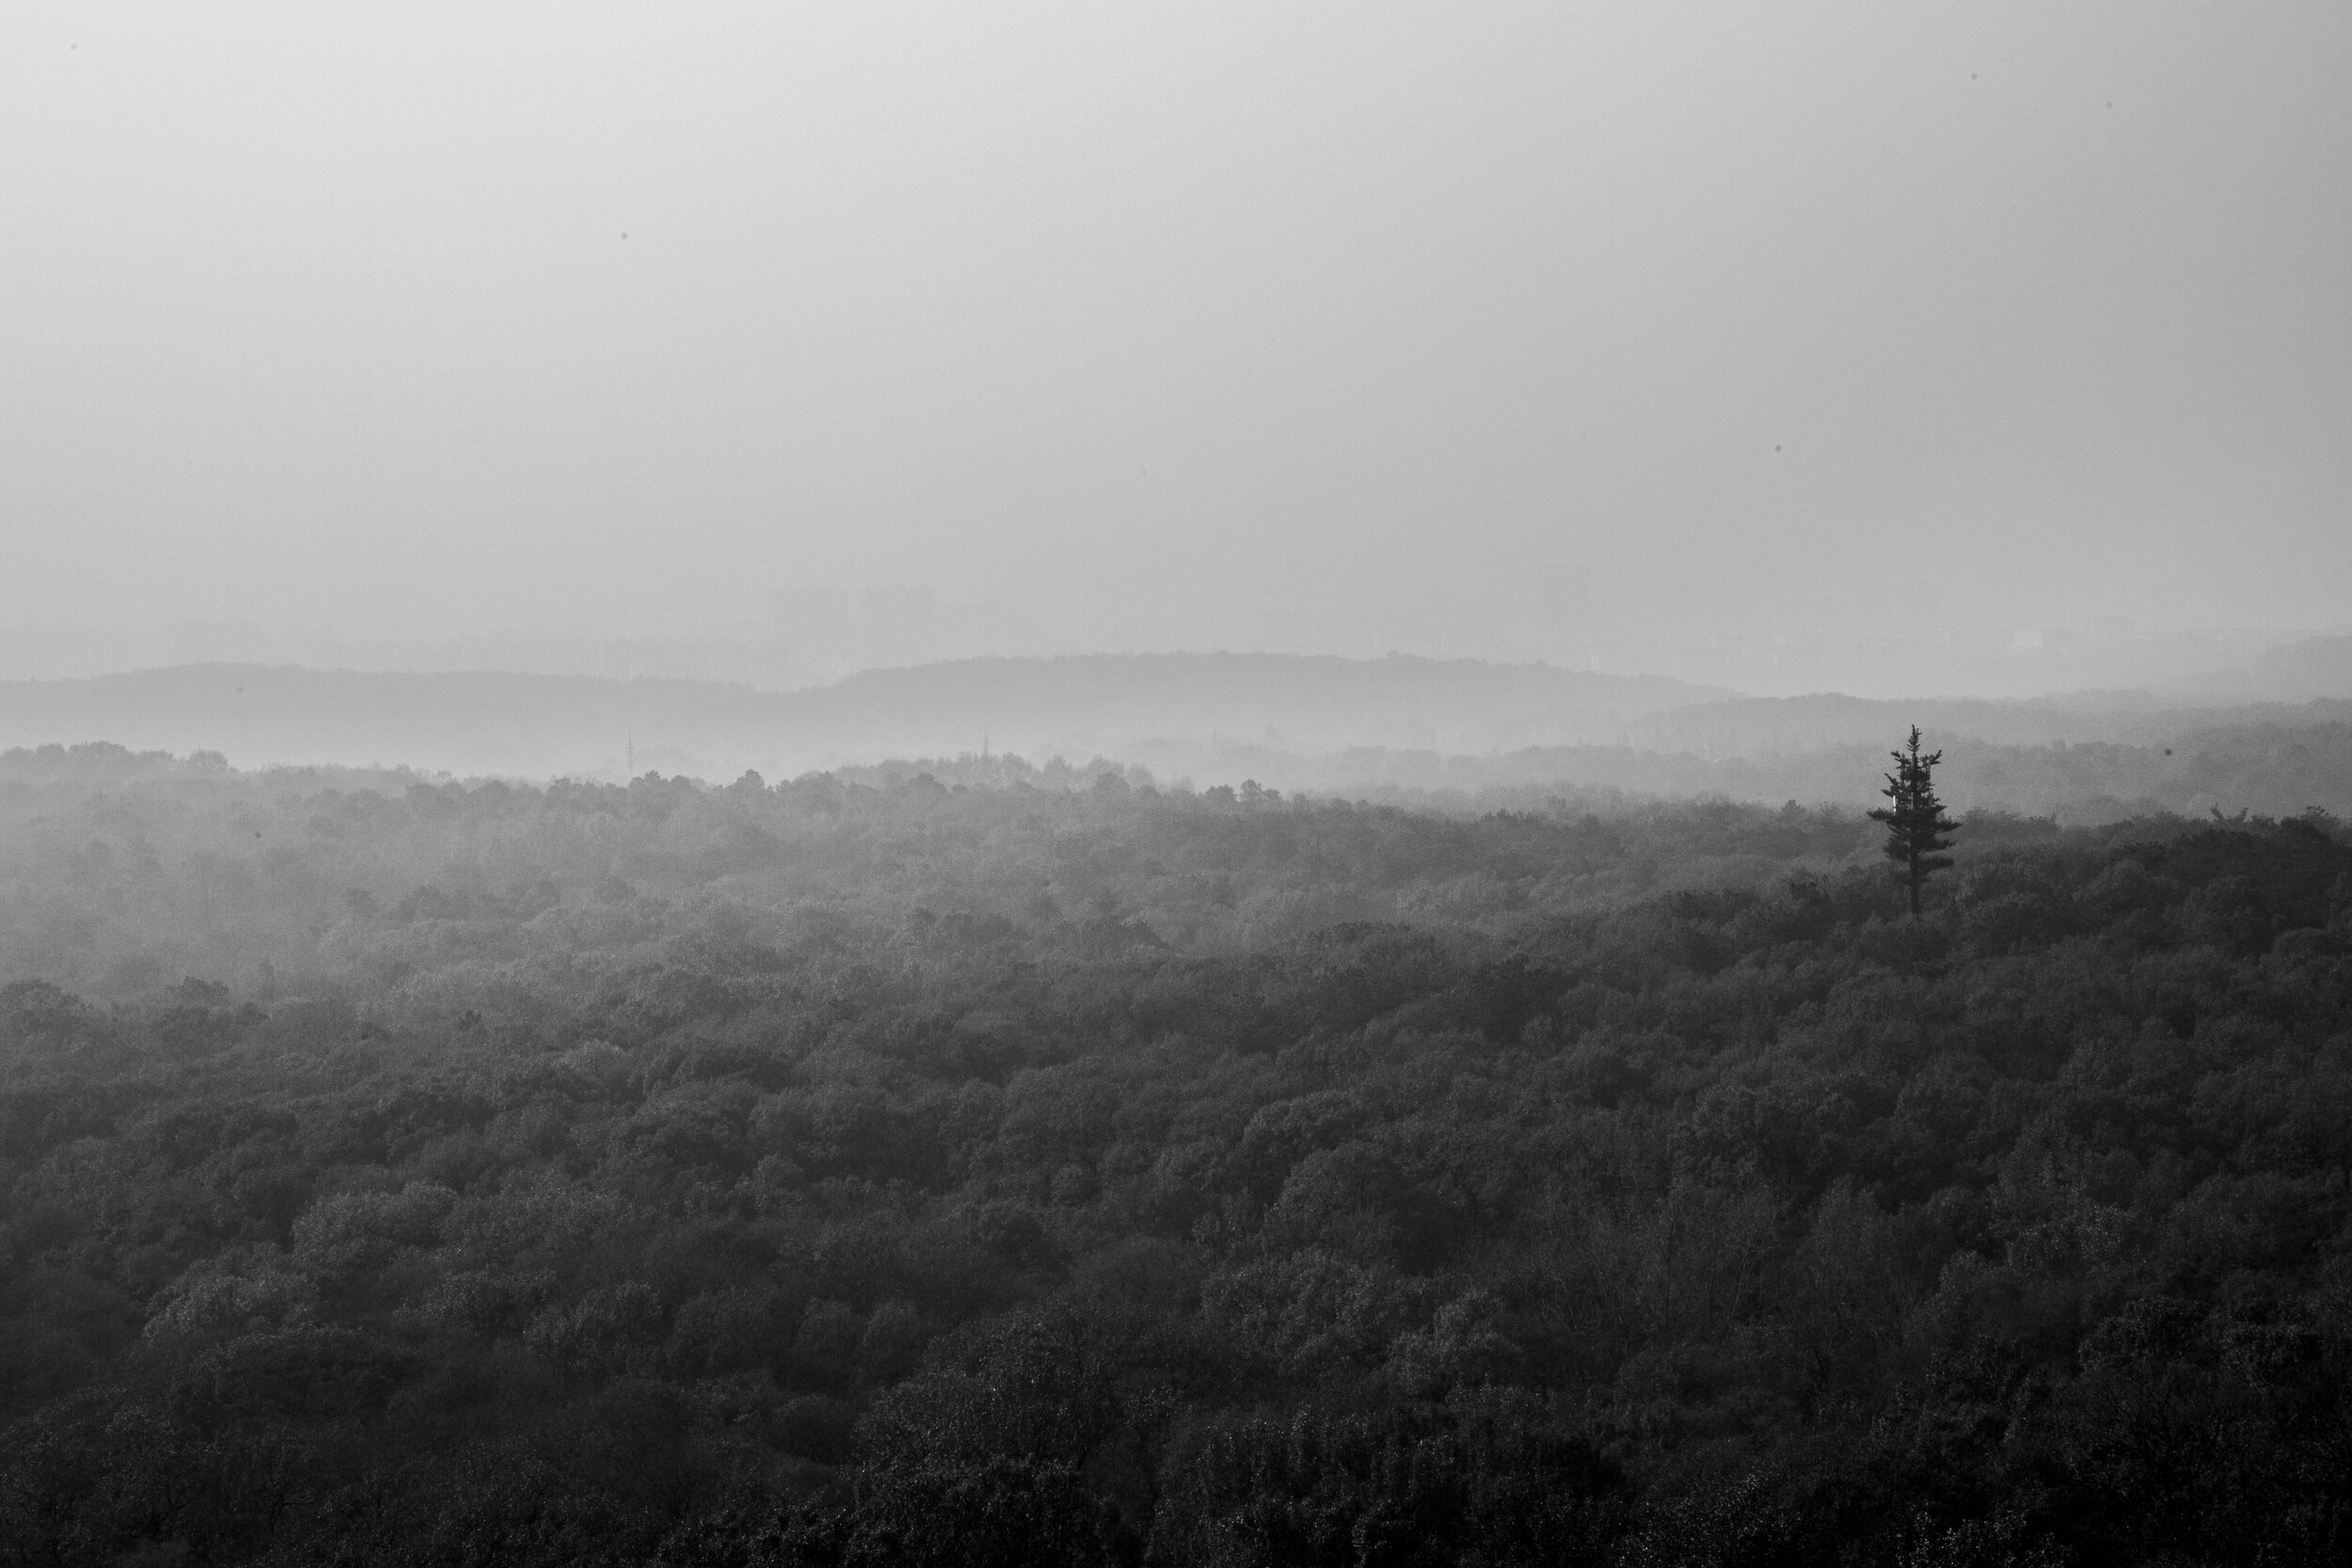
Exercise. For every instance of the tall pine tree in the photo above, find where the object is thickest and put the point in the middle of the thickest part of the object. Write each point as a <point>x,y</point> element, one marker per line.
<point>1917,831</point>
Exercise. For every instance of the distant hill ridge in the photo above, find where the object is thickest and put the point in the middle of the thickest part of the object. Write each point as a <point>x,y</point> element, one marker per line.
<point>1743,726</point>
<point>493,721</point>
<point>1151,708</point>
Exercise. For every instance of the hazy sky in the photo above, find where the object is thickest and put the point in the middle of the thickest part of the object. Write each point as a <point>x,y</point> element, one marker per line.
<point>1198,322</point>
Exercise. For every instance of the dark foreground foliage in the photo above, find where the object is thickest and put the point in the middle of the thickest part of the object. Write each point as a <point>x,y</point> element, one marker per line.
<point>897,1173</point>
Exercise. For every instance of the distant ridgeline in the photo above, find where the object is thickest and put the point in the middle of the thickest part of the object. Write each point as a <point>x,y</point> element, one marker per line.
<point>104,762</point>
<point>2271,761</point>
<point>543,725</point>
<point>997,1164</point>
<point>2267,767</point>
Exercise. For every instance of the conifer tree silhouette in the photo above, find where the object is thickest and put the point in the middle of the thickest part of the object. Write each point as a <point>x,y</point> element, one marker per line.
<point>1916,829</point>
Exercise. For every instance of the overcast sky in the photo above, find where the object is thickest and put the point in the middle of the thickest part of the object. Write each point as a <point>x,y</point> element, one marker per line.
<point>1194,322</point>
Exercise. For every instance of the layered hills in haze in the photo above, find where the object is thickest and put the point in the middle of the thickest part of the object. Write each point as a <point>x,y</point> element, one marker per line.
<point>1398,725</point>
<point>548,724</point>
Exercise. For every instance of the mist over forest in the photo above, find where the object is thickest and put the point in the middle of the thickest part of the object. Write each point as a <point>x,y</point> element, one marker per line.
<point>1323,724</point>
<point>1568,1154</point>
<point>1220,785</point>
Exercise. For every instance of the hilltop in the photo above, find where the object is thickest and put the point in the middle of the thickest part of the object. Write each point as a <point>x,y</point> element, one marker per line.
<point>520,724</point>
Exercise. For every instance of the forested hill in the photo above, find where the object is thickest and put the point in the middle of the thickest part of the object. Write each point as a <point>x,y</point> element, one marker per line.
<point>945,1173</point>
<point>2271,769</point>
<point>543,726</point>
<point>1328,725</point>
<point>1749,727</point>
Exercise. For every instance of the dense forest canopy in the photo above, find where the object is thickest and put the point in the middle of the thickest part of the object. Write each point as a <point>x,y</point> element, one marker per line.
<point>977,1163</point>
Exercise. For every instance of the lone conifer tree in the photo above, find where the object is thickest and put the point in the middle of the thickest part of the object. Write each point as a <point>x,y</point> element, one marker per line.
<point>1916,823</point>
